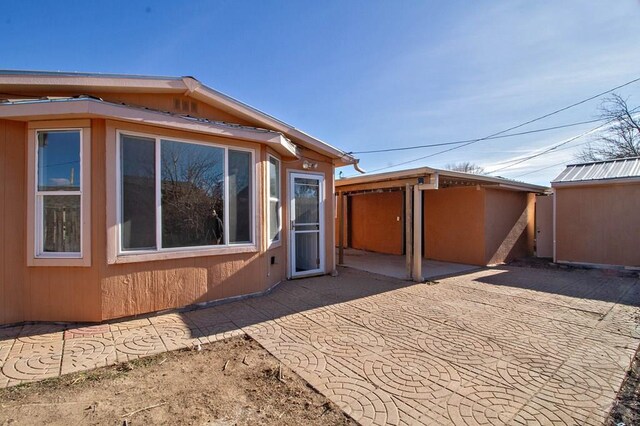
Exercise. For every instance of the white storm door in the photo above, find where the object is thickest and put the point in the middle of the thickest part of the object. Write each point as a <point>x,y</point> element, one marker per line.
<point>306,224</point>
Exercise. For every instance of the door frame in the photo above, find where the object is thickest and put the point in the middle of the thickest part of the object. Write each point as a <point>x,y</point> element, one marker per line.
<point>291,175</point>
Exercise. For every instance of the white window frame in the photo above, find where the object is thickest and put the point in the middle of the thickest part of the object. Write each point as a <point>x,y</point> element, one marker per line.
<point>275,242</point>
<point>198,250</point>
<point>36,256</point>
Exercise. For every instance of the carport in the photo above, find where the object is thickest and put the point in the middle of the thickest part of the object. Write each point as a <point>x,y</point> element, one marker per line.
<point>438,215</point>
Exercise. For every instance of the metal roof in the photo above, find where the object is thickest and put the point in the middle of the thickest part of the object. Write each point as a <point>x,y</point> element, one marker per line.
<point>622,168</point>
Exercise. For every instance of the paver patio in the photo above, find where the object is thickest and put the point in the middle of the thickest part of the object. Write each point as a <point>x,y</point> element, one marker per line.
<point>498,346</point>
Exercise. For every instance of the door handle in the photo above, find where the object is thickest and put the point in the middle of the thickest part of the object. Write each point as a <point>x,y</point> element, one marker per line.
<point>293,224</point>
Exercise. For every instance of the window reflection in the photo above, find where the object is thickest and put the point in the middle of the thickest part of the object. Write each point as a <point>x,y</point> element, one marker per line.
<point>192,194</point>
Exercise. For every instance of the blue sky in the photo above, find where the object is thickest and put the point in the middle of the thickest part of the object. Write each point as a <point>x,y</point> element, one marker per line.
<point>362,74</point>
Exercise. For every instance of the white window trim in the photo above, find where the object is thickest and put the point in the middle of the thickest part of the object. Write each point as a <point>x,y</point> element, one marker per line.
<point>276,242</point>
<point>35,254</point>
<point>126,256</point>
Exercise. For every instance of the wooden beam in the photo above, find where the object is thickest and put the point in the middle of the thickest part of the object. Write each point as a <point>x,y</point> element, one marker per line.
<point>342,206</point>
<point>416,270</point>
<point>408,229</point>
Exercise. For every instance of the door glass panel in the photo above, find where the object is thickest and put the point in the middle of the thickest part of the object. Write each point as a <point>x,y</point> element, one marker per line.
<point>307,251</point>
<point>307,201</point>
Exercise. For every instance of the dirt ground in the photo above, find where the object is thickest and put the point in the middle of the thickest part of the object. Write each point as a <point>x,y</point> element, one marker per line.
<point>182,387</point>
<point>626,408</point>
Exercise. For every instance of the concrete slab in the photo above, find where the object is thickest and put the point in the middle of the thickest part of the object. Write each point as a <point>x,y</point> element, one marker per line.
<point>394,266</point>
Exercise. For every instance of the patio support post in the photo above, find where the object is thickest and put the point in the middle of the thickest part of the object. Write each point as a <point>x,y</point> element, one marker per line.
<point>416,270</point>
<point>408,229</point>
<point>342,206</point>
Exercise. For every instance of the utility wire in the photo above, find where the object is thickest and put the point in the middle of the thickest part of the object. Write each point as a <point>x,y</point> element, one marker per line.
<point>554,147</point>
<point>590,98</point>
<point>508,135</point>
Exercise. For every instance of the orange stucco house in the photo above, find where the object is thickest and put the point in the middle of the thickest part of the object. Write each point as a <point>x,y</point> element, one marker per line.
<point>123,195</point>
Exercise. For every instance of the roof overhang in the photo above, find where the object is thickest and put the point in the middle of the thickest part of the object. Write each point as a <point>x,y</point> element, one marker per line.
<point>88,83</point>
<point>597,182</point>
<point>93,108</point>
<point>403,177</point>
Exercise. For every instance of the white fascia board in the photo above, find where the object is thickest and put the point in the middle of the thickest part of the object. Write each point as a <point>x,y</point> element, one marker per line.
<point>94,108</point>
<point>95,83</point>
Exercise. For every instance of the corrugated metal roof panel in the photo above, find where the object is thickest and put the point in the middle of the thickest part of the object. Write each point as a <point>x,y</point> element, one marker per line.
<point>600,170</point>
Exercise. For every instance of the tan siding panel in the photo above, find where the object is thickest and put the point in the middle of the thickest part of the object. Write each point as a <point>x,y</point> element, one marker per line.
<point>509,222</point>
<point>13,221</point>
<point>598,224</point>
<point>374,223</point>
<point>454,225</point>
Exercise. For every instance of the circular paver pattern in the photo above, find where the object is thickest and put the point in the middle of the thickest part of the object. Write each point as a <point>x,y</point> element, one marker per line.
<point>140,342</point>
<point>361,400</point>
<point>460,346</point>
<point>411,374</point>
<point>345,340</point>
<point>298,356</point>
<point>33,365</point>
<point>578,388</point>
<point>485,405</point>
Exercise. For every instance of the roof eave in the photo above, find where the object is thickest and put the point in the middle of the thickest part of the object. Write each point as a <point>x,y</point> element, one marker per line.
<point>87,108</point>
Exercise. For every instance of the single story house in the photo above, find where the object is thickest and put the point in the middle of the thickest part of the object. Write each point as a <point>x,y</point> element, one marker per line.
<point>597,213</point>
<point>123,195</point>
<point>437,214</point>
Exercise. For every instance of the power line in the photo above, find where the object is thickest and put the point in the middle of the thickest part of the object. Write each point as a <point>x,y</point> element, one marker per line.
<point>513,127</point>
<point>554,147</point>
<point>508,135</point>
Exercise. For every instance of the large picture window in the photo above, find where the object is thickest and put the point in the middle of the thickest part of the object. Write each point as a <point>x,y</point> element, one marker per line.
<point>274,200</point>
<point>59,193</point>
<point>176,194</point>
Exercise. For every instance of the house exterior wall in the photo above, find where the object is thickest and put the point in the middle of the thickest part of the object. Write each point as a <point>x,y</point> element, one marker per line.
<point>106,290</point>
<point>509,225</point>
<point>598,224</point>
<point>374,224</point>
<point>454,225</point>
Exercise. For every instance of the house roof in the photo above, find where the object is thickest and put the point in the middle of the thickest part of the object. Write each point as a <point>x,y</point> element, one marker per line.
<point>95,83</point>
<point>84,106</point>
<point>608,171</point>
<point>444,176</point>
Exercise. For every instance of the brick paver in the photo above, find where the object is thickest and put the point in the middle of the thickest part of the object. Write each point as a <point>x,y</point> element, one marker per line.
<point>508,345</point>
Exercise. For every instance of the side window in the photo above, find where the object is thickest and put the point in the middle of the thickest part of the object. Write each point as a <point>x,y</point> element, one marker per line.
<point>275,223</point>
<point>58,195</point>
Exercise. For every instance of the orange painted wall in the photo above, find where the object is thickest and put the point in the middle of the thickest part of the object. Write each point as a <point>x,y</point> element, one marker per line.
<point>598,224</point>
<point>12,214</point>
<point>454,225</point>
<point>374,224</point>
<point>104,291</point>
<point>509,225</point>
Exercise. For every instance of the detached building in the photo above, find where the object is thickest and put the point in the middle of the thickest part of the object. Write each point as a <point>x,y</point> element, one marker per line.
<point>597,213</point>
<point>123,195</point>
<point>437,214</point>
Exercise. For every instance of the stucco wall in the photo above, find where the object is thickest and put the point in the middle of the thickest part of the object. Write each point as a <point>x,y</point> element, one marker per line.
<point>509,225</point>
<point>374,224</point>
<point>598,224</point>
<point>454,225</point>
<point>104,291</point>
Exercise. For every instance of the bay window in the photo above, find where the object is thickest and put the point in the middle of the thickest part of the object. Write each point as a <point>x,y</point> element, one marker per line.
<point>175,195</point>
